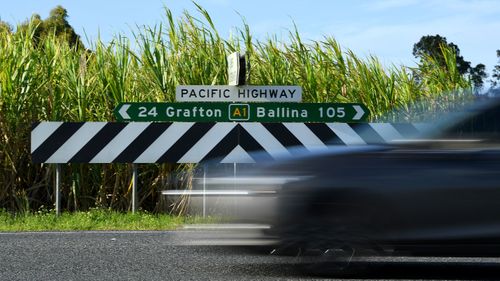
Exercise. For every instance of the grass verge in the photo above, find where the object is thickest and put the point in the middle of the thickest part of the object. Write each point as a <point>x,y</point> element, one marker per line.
<point>92,220</point>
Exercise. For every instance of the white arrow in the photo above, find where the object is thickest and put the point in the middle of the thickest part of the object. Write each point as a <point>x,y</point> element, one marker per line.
<point>359,112</point>
<point>123,111</point>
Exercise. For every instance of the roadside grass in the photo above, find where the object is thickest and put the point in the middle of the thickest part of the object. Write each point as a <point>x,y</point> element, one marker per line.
<point>93,220</point>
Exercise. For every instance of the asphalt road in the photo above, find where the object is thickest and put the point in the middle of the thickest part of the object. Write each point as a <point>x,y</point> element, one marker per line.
<point>166,256</point>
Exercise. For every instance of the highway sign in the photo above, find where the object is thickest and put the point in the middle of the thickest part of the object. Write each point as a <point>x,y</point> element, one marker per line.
<point>241,112</point>
<point>247,93</point>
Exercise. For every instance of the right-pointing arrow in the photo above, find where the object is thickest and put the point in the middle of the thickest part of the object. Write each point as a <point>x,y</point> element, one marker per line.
<point>123,111</point>
<point>359,112</point>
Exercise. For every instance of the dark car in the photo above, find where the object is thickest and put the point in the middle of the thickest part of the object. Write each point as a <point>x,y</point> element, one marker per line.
<point>435,195</point>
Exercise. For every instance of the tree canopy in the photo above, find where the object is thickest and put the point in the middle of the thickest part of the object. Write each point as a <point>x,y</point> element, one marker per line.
<point>56,24</point>
<point>495,77</point>
<point>430,45</point>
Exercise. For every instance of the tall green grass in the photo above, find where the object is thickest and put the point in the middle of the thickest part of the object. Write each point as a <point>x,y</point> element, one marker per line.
<point>52,81</point>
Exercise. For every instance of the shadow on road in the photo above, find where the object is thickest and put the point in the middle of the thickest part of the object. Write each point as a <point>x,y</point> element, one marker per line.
<point>435,271</point>
<point>441,271</point>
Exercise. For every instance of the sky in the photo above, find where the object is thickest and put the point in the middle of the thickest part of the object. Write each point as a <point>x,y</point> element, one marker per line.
<point>383,28</point>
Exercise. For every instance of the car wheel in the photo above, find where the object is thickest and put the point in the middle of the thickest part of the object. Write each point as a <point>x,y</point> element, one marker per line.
<point>332,263</point>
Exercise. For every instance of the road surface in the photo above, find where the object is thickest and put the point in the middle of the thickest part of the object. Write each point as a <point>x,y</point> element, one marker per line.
<point>167,256</point>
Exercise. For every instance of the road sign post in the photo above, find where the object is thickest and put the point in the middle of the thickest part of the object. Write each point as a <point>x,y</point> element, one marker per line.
<point>58,189</point>
<point>236,69</point>
<point>204,190</point>
<point>134,188</point>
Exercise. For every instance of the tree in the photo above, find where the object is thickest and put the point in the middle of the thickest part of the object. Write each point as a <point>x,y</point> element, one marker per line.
<point>477,75</point>
<point>495,77</point>
<point>430,45</point>
<point>56,24</point>
<point>36,23</point>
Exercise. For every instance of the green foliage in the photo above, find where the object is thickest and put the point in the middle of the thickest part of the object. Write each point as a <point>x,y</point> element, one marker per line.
<point>43,78</point>
<point>5,27</point>
<point>477,75</point>
<point>495,77</point>
<point>55,25</point>
<point>90,220</point>
<point>431,46</point>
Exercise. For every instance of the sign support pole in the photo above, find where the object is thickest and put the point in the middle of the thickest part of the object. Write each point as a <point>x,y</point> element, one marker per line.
<point>235,205</point>
<point>58,189</point>
<point>204,190</point>
<point>134,187</point>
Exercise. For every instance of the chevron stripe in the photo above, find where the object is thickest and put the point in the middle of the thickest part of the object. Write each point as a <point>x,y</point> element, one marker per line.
<point>280,132</point>
<point>238,155</point>
<point>407,130</point>
<point>120,142</point>
<point>324,133</point>
<point>237,137</point>
<point>145,142</point>
<point>142,142</point>
<point>41,132</point>
<point>207,142</point>
<point>54,141</point>
<point>78,139</point>
<point>386,131</point>
<point>367,133</point>
<point>346,134</point>
<point>266,139</point>
<point>97,143</point>
<point>186,142</point>
<point>305,136</point>
<point>163,143</point>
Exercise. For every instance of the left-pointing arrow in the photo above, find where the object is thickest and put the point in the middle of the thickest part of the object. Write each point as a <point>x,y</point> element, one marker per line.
<point>123,111</point>
<point>359,112</point>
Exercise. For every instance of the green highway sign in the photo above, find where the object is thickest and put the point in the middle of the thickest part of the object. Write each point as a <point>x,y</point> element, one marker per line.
<point>242,112</point>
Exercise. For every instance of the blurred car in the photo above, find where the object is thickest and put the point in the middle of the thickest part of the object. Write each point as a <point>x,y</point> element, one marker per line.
<point>438,194</point>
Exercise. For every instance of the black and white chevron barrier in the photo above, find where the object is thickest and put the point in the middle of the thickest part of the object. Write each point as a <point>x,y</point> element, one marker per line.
<point>183,142</point>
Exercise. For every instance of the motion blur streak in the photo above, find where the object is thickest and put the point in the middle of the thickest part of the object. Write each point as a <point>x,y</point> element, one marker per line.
<point>437,195</point>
